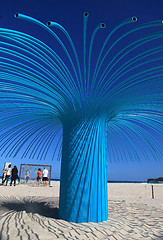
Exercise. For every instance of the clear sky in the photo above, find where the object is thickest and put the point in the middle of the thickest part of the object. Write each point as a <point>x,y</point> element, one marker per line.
<point>70,15</point>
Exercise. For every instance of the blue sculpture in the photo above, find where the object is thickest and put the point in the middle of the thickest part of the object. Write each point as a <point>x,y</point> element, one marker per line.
<point>118,97</point>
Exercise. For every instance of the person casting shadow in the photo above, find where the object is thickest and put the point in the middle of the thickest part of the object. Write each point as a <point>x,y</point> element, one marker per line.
<point>8,174</point>
<point>14,175</point>
<point>38,177</point>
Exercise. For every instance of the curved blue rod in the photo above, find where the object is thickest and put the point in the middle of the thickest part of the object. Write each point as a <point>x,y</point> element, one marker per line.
<point>57,25</point>
<point>130,20</point>
<point>33,20</point>
<point>53,82</point>
<point>101,25</point>
<point>86,14</point>
<point>142,41</point>
<point>153,24</point>
<point>105,86</point>
<point>39,66</point>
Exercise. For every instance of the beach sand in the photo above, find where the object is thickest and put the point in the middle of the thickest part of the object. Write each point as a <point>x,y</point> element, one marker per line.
<point>28,212</point>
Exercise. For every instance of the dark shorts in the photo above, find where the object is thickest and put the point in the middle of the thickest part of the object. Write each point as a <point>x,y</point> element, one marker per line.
<point>44,179</point>
<point>38,178</point>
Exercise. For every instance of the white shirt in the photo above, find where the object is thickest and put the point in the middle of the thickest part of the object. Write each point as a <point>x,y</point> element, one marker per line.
<point>8,173</point>
<point>45,173</point>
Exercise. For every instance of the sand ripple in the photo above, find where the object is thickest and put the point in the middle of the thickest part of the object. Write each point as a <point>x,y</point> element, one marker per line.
<point>36,217</point>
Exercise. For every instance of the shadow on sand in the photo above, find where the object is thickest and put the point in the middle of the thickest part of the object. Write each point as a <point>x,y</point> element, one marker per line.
<point>41,208</point>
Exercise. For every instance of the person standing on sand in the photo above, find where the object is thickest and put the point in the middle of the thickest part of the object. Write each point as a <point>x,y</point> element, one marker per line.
<point>27,175</point>
<point>8,174</point>
<point>38,177</point>
<point>45,176</point>
<point>4,174</point>
<point>14,175</point>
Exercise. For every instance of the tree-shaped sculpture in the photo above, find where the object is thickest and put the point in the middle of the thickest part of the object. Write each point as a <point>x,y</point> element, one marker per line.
<point>117,96</point>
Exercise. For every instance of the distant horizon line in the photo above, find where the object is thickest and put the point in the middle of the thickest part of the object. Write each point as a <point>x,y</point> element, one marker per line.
<point>116,181</point>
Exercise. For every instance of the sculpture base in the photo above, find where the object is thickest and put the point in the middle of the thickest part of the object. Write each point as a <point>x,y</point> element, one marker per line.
<point>83,183</point>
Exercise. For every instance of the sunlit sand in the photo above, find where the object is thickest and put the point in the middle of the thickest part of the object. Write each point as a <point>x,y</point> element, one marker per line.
<point>30,212</point>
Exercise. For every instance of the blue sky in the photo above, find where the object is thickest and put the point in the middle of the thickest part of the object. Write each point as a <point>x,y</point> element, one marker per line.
<point>70,15</point>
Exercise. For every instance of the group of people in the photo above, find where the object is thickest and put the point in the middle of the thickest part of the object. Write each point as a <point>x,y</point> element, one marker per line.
<point>12,174</point>
<point>9,173</point>
<point>44,176</point>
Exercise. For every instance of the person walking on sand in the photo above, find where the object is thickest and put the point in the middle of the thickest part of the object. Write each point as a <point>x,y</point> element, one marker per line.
<point>38,177</point>
<point>45,176</point>
<point>14,175</point>
<point>8,175</point>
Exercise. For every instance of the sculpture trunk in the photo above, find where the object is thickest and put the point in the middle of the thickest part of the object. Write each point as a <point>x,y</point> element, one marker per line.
<point>83,189</point>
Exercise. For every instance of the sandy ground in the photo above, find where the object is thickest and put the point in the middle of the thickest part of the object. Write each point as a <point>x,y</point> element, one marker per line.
<point>30,212</point>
